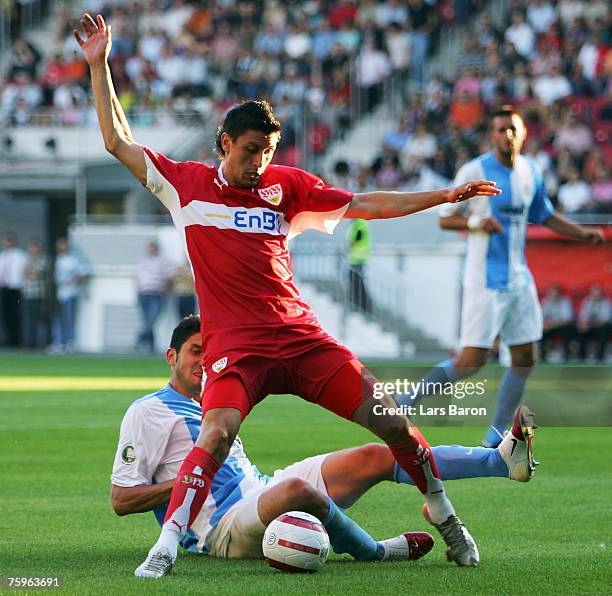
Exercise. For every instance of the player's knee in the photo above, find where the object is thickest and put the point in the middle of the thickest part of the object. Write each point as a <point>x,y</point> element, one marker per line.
<point>369,458</point>
<point>371,454</point>
<point>395,431</point>
<point>217,440</point>
<point>300,494</point>
<point>525,359</point>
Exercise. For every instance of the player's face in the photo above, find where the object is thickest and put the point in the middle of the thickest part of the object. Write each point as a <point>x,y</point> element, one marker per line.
<point>187,366</point>
<point>508,135</point>
<point>247,158</point>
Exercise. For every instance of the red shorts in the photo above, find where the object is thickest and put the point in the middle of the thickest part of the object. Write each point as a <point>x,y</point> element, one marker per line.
<point>303,365</point>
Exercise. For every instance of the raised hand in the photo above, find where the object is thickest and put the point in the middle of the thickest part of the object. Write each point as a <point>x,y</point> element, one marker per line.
<point>97,45</point>
<point>485,188</point>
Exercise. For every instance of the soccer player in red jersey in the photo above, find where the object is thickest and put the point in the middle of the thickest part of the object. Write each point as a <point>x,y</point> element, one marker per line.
<point>260,337</point>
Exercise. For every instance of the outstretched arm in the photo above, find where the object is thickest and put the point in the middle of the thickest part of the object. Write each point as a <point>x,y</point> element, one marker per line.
<point>561,224</point>
<point>115,129</point>
<point>137,499</point>
<point>383,204</point>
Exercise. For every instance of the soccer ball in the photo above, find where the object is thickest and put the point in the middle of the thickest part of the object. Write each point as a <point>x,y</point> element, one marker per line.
<point>296,542</point>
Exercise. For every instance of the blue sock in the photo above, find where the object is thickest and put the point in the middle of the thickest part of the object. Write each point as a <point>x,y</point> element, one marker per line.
<point>509,397</point>
<point>443,373</point>
<point>346,536</point>
<point>456,462</point>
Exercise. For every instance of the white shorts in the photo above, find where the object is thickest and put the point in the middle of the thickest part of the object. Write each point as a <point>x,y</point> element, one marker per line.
<point>514,315</point>
<point>239,533</point>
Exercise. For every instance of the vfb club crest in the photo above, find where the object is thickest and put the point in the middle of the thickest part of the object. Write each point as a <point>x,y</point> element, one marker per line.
<point>271,194</point>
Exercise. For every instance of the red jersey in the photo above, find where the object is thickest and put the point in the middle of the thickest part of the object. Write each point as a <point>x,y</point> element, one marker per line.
<point>236,240</point>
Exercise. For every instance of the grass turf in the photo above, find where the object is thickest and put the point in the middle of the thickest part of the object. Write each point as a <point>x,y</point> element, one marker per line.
<point>58,432</point>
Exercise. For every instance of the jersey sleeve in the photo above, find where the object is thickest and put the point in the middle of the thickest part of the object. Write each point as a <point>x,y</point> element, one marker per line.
<point>317,206</point>
<point>541,208</point>
<point>172,182</point>
<point>140,449</point>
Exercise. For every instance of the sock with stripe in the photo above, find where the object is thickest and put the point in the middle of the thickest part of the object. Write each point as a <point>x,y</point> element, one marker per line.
<point>346,536</point>
<point>456,462</point>
<point>414,456</point>
<point>189,493</point>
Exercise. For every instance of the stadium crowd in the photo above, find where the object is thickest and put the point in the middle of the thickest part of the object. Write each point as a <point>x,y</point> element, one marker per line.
<point>174,60</point>
<point>552,60</point>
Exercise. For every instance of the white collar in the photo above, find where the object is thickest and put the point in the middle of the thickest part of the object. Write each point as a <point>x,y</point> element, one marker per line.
<point>220,174</point>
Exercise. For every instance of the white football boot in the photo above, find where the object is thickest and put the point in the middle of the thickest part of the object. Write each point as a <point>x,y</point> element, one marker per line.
<point>516,448</point>
<point>461,547</point>
<point>158,563</point>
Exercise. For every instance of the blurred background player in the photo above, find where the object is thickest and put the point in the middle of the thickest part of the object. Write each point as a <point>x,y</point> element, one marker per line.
<point>558,317</point>
<point>12,263</point>
<point>158,431</point>
<point>594,322</point>
<point>359,251</point>
<point>499,294</point>
<point>260,337</point>
<point>70,271</point>
<point>36,296</point>
<point>154,276</point>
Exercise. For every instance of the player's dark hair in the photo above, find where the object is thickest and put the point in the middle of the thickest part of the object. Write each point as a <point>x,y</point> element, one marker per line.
<point>506,110</point>
<point>248,115</point>
<point>184,330</point>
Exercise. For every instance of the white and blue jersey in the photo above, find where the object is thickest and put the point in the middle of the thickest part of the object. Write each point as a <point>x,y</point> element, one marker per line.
<point>497,261</point>
<point>157,433</point>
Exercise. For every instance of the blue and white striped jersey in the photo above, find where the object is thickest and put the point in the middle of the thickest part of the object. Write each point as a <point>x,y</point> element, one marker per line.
<point>497,261</point>
<point>157,433</point>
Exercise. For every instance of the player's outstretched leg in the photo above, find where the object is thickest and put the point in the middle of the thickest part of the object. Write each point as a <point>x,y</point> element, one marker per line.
<point>192,486</point>
<point>189,493</point>
<point>349,392</point>
<point>517,447</point>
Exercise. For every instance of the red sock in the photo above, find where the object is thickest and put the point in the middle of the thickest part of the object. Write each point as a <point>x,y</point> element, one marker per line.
<point>191,488</point>
<point>412,456</point>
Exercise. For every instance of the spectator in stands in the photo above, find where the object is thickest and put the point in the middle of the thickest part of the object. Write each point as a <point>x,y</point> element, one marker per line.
<point>36,297</point>
<point>420,147</point>
<point>594,322</point>
<point>184,290</point>
<point>573,135</point>
<point>360,247</point>
<point>70,273</point>
<point>541,15</point>
<point>391,11</point>
<point>12,263</point>
<point>372,68</point>
<point>552,86</point>
<point>471,55</point>
<point>601,190</point>
<point>25,59</point>
<point>575,194</point>
<point>559,322</point>
<point>466,111</point>
<point>398,46</point>
<point>423,19</point>
<point>153,280</point>
<point>521,35</point>
<point>389,174</point>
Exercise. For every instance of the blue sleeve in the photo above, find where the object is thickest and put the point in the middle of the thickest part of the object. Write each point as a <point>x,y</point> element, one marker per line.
<point>541,208</point>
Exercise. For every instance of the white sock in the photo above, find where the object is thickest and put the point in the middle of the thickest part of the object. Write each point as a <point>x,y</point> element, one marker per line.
<point>168,539</point>
<point>438,504</point>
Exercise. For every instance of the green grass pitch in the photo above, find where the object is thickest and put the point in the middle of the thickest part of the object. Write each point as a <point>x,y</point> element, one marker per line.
<point>59,420</point>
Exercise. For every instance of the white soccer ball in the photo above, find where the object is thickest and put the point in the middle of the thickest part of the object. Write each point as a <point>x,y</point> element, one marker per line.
<point>296,542</point>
